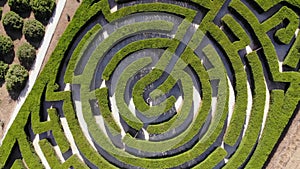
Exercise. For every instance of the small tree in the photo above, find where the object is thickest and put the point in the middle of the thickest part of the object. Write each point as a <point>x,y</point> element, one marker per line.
<point>34,30</point>
<point>42,9</point>
<point>26,54</point>
<point>16,78</point>
<point>6,48</point>
<point>3,70</point>
<point>20,6</point>
<point>12,21</point>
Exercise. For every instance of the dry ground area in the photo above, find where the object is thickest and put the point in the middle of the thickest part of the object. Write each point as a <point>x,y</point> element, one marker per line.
<point>287,154</point>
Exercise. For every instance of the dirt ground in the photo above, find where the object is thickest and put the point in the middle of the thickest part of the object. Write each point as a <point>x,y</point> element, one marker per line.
<point>287,154</point>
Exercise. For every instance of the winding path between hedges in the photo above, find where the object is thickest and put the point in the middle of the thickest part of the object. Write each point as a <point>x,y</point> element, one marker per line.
<point>38,63</point>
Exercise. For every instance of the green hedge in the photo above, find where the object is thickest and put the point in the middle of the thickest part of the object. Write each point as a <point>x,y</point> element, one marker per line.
<point>275,122</point>
<point>47,78</point>
<point>238,116</point>
<point>126,114</point>
<point>252,132</point>
<point>79,52</point>
<point>31,105</point>
<point>293,57</point>
<point>284,35</point>
<point>102,96</point>
<point>212,160</point>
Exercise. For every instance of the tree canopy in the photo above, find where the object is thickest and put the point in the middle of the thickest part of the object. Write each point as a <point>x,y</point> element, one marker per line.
<point>16,78</point>
<point>26,54</point>
<point>3,70</point>
<point>6,48</point>
<point>33,30</point>
<point>19,6</point>
<point>12,20</point>
<point>42,9</point>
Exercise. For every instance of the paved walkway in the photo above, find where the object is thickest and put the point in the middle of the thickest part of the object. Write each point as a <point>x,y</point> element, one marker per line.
<point>38,63</point>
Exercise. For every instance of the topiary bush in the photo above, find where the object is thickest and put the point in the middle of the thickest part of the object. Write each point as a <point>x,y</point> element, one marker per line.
<point>16,78</point>
<point>26,54</point>
<point>12,21</point>
<point>3,70</point>
<point>6,49</point>
<point>33,30</point>
<point>20,6</point>
<point>42,9</point>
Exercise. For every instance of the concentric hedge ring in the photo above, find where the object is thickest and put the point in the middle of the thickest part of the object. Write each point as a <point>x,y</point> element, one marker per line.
<point>137,90</point>
<point>163,84</point>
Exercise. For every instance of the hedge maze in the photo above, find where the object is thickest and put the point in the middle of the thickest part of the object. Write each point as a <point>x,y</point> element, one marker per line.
<point>163,84</point>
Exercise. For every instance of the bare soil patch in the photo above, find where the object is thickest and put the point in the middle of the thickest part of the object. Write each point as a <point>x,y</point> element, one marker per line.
<point>287,154</point>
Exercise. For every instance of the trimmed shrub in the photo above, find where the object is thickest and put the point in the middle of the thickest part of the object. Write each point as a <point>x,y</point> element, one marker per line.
<point>13,21</point>
<point>26,55</point>
<point>3,70</point>
<point>42,9</point>
<point>34,30</point>
<point>16,78</point>
<point>6,48</point>
<point>19,6</point>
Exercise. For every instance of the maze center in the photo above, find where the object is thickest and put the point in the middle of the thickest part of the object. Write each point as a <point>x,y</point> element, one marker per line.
<point>163,84</point>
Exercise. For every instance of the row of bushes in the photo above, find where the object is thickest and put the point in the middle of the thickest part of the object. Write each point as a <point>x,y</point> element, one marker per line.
<point>42,9</point>
<point>33,29</point>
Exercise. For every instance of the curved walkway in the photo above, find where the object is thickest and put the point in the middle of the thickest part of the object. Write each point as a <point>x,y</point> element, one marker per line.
<point>38,63</point>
